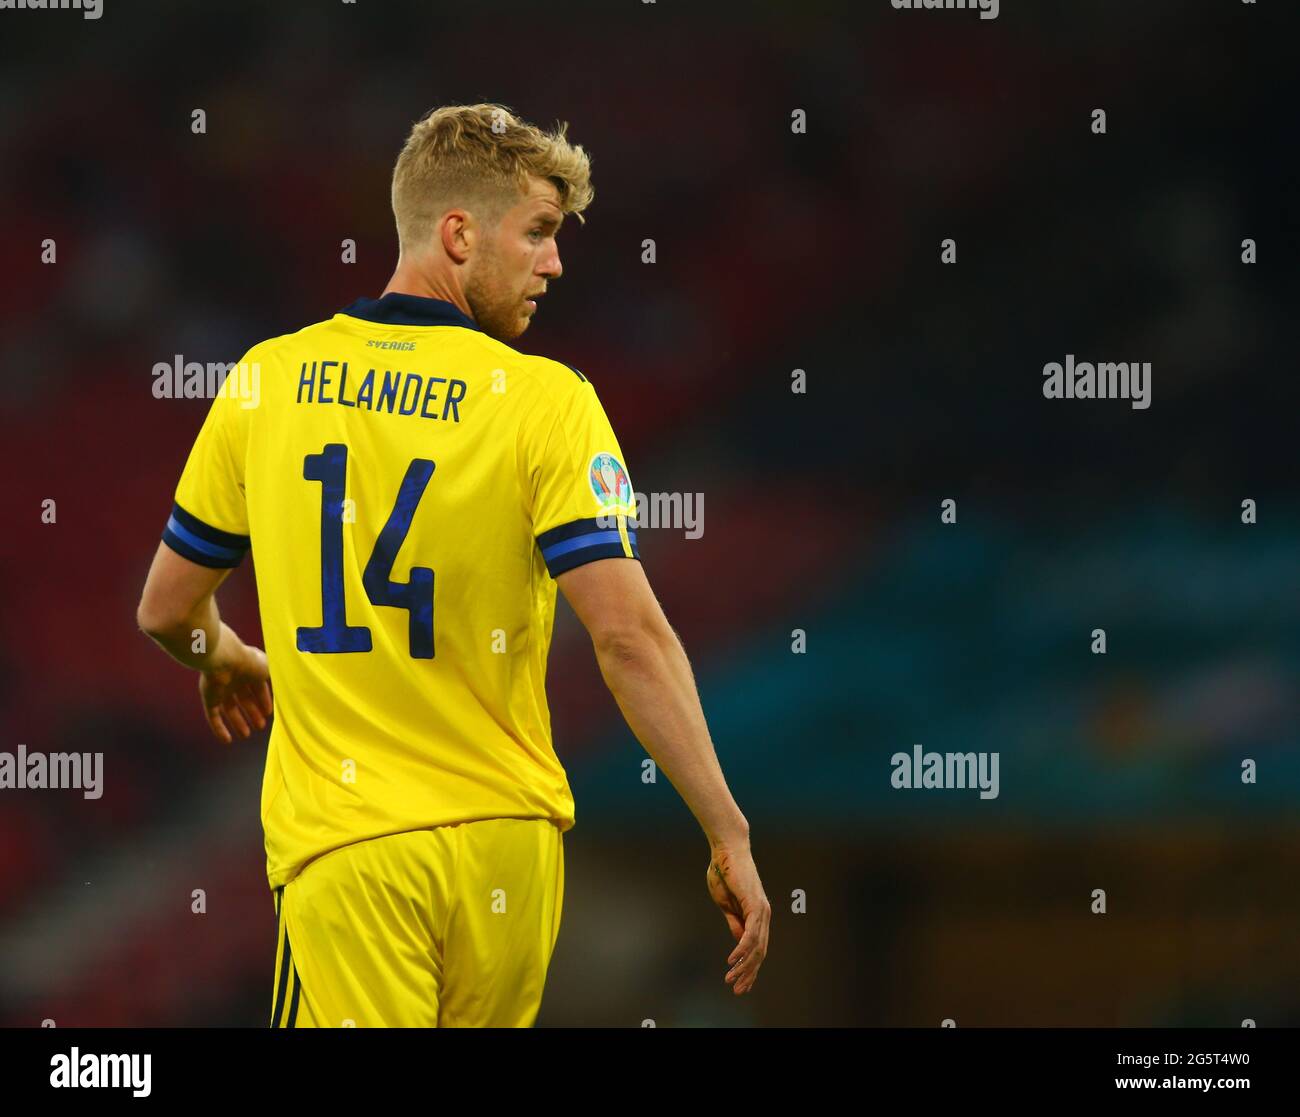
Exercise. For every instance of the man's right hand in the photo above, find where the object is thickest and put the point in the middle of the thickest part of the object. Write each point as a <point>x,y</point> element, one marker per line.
<point>236,690</point>
<point>735,888</point>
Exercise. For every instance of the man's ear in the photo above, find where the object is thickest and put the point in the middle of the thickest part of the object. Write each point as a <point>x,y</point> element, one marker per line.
<point>459,233</point>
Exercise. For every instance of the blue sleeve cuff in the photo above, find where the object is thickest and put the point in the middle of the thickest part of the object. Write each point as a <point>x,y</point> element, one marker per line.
<point>583,541</point>
<point>191,538</point>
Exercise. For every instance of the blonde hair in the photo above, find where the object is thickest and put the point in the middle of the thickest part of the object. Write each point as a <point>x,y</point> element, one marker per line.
<point>481,156</point>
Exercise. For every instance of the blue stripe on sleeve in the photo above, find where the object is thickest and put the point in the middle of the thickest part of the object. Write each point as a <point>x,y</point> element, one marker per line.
<point>592,539</point>
<point>582,541</point>
<point>201,543</point>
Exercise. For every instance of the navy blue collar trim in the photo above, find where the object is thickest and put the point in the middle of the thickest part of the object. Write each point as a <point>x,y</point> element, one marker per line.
<point>396,309</point>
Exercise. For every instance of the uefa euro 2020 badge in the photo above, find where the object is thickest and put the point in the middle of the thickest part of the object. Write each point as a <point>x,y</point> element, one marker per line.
<point>610,483</point>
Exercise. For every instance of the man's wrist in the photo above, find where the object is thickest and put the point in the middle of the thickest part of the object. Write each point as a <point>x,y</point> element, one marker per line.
<point>228,653</point>
<point>733,837</point>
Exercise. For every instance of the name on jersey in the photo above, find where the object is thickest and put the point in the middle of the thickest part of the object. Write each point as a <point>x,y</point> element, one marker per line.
<point>397,392</point>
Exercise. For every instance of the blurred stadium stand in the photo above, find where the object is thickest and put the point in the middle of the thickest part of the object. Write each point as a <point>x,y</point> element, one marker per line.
<point>775,252</point>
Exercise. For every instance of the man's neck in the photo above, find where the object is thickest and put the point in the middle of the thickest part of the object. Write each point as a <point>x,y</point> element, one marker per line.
<point>408,280</point>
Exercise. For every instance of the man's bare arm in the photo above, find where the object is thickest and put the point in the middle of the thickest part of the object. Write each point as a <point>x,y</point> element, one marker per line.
<point>178,603</point>
<point>646,669</point>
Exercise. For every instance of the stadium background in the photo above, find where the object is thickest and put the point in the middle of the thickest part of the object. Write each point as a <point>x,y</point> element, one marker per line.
<point>775,251</point>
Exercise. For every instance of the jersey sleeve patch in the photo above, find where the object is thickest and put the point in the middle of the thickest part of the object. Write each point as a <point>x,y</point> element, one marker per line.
<point>191,538</point>
<point>582,541</point>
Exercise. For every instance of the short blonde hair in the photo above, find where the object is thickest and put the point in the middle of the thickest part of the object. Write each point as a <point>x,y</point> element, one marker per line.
<point>481,157</point>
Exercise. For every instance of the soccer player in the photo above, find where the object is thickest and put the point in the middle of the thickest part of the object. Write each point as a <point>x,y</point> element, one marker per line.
<point>415,490</point>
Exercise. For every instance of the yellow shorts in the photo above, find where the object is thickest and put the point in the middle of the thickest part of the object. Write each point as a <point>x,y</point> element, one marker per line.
<point>448,927</point>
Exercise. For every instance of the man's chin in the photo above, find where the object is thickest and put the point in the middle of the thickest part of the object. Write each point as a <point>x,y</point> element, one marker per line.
<point>505,332</point>
<point>509,331</point>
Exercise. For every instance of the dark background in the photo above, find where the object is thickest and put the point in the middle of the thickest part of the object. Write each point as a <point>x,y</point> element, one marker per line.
<point>775,251</point>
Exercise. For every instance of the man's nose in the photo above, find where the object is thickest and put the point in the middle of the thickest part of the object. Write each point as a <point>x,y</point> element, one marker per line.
<point>551,266</point>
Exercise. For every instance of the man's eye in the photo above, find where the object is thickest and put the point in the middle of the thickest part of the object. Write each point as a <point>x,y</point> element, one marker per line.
<point>536,234</point>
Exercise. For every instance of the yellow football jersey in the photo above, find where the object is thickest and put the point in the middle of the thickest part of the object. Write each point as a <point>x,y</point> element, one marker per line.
<point>410,488</point>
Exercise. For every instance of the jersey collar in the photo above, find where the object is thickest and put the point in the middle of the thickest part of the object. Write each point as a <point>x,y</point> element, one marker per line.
<point>396,309</point>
